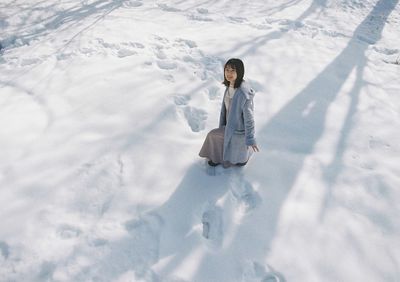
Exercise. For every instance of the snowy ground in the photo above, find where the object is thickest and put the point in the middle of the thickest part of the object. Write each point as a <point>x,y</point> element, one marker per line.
<point>105,104</point>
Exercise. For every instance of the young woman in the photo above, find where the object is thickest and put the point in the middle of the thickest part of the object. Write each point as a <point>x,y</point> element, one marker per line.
<point>233,142</point>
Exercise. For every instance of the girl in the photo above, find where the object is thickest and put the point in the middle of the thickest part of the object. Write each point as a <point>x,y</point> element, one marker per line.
<point>230,143</point>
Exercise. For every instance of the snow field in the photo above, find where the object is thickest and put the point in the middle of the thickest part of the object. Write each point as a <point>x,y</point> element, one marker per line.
<point>105,104</point>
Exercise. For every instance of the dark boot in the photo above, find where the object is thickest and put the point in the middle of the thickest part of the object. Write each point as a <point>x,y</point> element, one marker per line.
<point>210,163</point>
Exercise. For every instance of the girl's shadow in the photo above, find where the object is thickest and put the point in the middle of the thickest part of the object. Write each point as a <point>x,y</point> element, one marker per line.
<point>192,217</point>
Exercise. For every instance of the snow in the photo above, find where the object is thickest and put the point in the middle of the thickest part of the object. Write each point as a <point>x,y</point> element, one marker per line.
<point>105,104</point>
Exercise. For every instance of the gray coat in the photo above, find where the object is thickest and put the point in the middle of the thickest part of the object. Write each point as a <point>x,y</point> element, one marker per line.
<point>239,125</point>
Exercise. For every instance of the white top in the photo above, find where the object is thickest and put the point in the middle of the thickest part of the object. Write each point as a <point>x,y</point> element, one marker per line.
<point>228,98</point>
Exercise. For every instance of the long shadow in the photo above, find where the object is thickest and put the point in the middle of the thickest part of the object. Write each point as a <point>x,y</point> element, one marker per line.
<point>170,232</point>
<point>162,232</point>
<point>298,125</point>
<point>185,206</point>
<point>288,144</point>
<point>290,136</point>
<point>373,24</point>
<point>68,18</point>
<point>295,130</point>
<point>73,16</point>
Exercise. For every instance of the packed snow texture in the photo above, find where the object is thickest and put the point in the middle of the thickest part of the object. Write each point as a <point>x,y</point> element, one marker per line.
<point>104,105</point>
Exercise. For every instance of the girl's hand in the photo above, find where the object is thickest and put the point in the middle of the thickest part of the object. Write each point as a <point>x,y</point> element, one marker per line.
<point>255,148</point>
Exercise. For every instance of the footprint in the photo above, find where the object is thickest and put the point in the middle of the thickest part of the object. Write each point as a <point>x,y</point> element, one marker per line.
<point>375,143</point>
<point>122,49</point>
<point>243,192</point>
<point>204,67</point>
<point>237,19</point>
<point>196,118</point>
<point>396,62</point>
<point>88,51</point>
<point>46,271</point>
<point>202,74</point>
<point>97,242</point>
<point>214,93</point>
<point>245,196</point>
<point>170,78</point>
<point>97,184</point>
<point>133,44</point>
<point>273,277</point>
<point>213,64</point>
<point>167,8</point>
<point>188,43</point>
<point>333,33</point>
<point>181,100</point>
<point>191,60</point>
<point>212,224</point>
<point>385,51</point>
<point>107,45</point>
<point>4,249</point>
<point>125,53</point>
<point>167,65</point>
<point>145,232</point>
<point>160,54</point>
<point>132,4</point>
<point>254,271</point>
<point>392,55</point>
<point>161,40</point>
<point>290,23</point>
<point>202,11</point>
<point>261,26</point>
<point>67,231</point>
<point>199,18</point>
<point>65,56</point>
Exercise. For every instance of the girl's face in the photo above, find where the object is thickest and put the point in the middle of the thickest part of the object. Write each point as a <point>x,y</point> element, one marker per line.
<point>230,74</point>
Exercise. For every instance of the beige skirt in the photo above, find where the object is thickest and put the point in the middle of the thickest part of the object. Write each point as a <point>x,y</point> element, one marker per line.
<point>213,148</point>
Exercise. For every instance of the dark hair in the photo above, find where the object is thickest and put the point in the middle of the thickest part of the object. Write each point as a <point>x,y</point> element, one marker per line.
<point>237,65</point>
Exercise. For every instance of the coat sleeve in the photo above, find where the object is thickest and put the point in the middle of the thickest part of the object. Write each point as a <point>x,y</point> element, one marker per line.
<point>249,127</point>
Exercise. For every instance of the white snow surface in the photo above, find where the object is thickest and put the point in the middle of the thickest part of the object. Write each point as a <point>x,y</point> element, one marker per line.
<point>104,105</point>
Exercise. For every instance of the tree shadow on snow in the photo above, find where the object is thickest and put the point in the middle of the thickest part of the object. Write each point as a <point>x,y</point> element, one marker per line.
<point>354,58</point>
<point>165,237</point>
<point>291,135</point>
<point>298,126</point>
<point>69,17</point>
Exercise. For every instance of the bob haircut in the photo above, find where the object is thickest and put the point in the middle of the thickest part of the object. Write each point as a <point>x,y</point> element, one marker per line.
<point>237,65</point>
